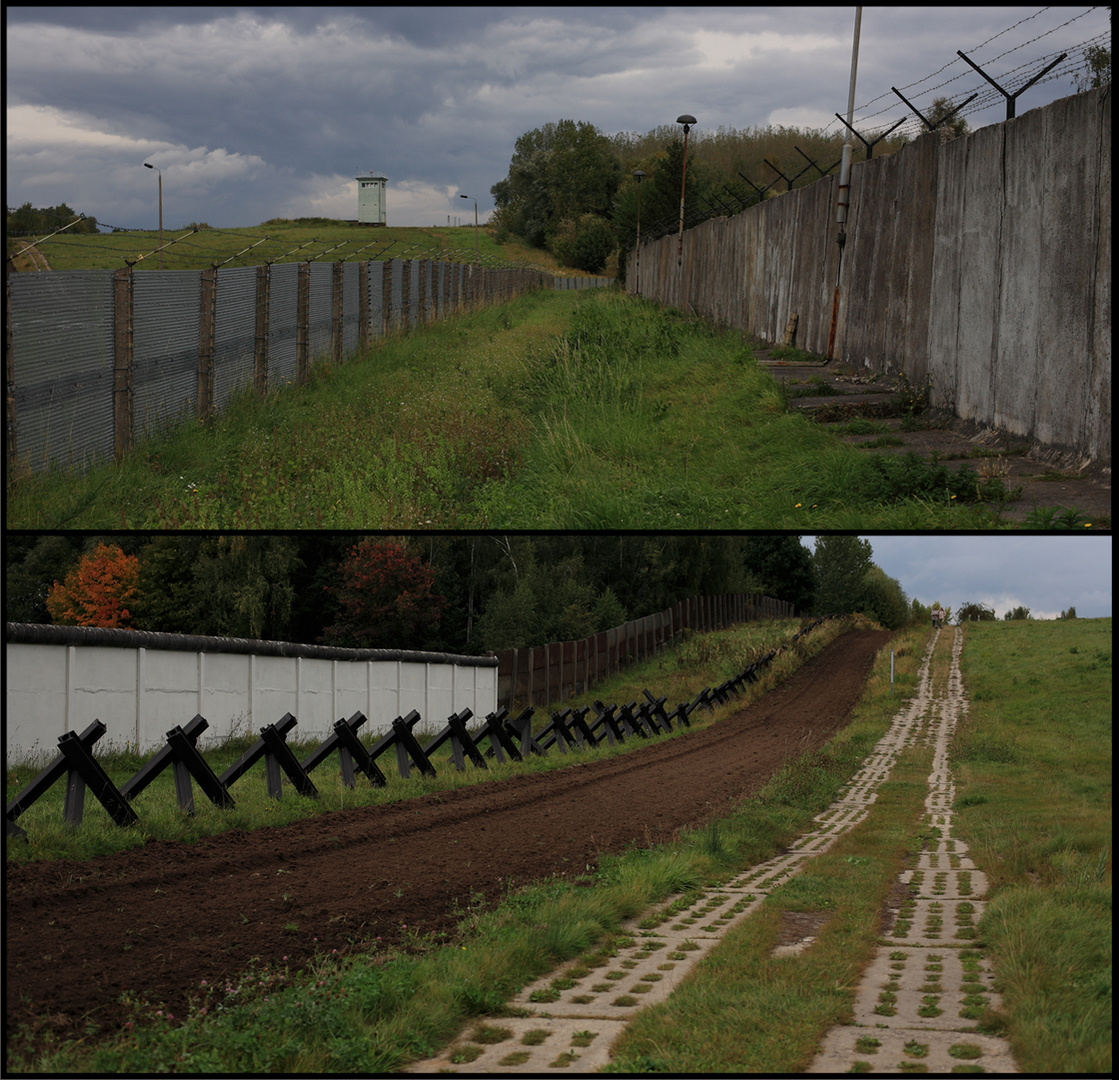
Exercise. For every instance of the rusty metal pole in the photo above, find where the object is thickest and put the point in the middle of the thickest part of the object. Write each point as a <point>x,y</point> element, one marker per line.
<point>844,186</point>
<point>687,121</point>
<point>638,176</point>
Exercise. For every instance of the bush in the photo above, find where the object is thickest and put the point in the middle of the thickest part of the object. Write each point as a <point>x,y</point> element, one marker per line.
<point>584,243</point>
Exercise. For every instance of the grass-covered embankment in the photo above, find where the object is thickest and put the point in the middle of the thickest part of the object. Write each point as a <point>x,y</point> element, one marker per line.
<point>1033,768</point>
<point>564,410</point>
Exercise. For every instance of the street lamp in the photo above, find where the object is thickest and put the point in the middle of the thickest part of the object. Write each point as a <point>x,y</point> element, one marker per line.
<point>638,176</point>
<point>687,121</point>
<point>147,166</point>
<point>476,248</point>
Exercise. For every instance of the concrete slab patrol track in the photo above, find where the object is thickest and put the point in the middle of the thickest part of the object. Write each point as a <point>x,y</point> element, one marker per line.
<point>917,1004</point>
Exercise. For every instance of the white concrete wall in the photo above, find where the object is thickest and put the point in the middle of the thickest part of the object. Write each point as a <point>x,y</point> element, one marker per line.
<point>141,693</point>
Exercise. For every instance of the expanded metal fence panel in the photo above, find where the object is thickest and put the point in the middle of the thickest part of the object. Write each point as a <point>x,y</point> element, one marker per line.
<point>376,306</point>
<point>282,313</point>
<point>165,321</point>
<point>581,282</point>
<point>351,294</point>
<point>62,351</point>
<point>322,292</point>
<point>234,332</point>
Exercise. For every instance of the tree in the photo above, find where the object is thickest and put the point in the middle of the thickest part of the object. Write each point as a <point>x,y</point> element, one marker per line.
<point>1017,613</point>
<point>1096,71</point>
<point>1070,614</point>
<point>884,599</point>
<point>225,586</point>
<point>975,613</point>
<point>560,171</point>
<point>386,597</point>
<point>781,566</point>
<point>950,129</point>
<point>32,221</point>
<point>98,591</point>
<point>584,243</point>
<point>841,564</point>
<point>920,614</point>
<point>32,565</point>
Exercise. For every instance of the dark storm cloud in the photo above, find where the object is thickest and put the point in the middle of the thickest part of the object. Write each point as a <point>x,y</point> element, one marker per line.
<point>269,111</point>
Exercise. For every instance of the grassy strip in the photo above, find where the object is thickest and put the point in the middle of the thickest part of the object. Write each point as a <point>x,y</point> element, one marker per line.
<point>678,673</point>
<point>563,410</point>
<point>375,1013</point>
<point>744,1010</point>
<point>1033,765</point>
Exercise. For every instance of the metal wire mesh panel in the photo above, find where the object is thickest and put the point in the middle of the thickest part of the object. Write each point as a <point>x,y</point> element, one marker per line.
<point>351,285</point>
<point>234,332</point>
<point>376,307</point>
<point>165,320</point>
<point>282,311</point>
<point>322,291</point>
<point>62,349</point>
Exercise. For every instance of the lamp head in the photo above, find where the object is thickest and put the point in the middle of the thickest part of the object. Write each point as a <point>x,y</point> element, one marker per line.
<point>687,121</point>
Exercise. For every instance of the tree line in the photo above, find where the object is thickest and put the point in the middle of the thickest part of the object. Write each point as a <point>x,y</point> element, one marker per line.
<point>571,189</point>
<point>467,594</point>
<point>29,220</point>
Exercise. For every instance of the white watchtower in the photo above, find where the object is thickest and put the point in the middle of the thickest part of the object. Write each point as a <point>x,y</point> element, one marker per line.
<point>371,199</point>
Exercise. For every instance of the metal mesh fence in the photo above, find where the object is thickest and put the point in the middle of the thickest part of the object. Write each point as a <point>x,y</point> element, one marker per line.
<point>98,359</point>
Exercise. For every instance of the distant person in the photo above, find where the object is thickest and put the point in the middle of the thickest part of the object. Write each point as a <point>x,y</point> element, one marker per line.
<point>937,616</point>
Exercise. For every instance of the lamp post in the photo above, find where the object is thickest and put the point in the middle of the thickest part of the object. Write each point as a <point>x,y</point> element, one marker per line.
<point>638,176</point>
<point>147,166</point>
<point>687,121</point>
<point>476,248</point>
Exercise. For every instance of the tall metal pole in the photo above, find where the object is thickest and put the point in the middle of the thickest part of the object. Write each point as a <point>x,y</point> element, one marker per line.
<point>844,184</point>
<point>477,249</point>
<point>687,121</point>
<point>160,173</point>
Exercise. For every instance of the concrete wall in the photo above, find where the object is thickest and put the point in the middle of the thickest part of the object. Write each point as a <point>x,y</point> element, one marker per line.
<point>141,685</point>
<point>982,262</point>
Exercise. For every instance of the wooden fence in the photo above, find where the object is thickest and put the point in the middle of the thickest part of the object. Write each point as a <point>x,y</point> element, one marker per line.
<point>562,669</point>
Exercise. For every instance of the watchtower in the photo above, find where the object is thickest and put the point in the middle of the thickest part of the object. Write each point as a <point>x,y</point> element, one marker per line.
<point>371,199</point>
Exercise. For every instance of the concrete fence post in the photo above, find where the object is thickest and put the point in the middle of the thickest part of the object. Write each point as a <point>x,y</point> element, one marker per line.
<point>206,328</point>
<point>122,363</point>
<point>303,324</point>
<point>260,340</point>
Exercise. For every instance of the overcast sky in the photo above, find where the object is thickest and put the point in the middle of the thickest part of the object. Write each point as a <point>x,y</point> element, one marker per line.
<point>1047,574</point>
<point>254,113</point>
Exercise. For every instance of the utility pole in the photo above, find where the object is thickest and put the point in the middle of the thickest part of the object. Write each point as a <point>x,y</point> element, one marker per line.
<point>844,184</point>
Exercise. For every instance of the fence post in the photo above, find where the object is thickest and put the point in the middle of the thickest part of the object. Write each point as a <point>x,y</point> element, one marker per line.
<point>122,362</point>
<point>260,343</point>
<point>363,326</point>
<point>421,298</point>
<point>386,296</point>
<point>406,294</point>
<point>206,326</point>
<point>336,301</point>
<point>303,324</point>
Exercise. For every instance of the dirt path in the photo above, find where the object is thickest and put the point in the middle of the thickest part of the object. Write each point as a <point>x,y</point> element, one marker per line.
<point>158,920</point>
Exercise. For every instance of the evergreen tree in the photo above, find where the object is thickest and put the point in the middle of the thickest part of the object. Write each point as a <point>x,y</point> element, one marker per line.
<point>841,564</point>
<point>781,566</point>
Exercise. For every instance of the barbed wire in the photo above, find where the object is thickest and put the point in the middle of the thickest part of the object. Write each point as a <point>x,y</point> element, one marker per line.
<point>986,94</point>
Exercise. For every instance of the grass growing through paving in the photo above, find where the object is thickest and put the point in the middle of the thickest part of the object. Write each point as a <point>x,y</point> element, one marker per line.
<point>376,1012</point>
<point>562,410</point>
<point>1033,766</point>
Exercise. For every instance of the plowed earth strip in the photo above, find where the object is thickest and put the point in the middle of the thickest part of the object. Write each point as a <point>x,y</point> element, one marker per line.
<point>158,920</point>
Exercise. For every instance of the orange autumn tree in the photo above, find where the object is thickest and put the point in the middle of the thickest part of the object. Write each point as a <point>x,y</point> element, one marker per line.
<point>98,591</point>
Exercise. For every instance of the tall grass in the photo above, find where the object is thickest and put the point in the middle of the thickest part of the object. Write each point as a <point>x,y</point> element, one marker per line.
<point>555,410</point>
<point>1033,763</point>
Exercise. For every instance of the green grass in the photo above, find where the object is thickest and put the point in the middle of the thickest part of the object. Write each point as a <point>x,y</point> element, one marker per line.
<point>556,410</point>
<point>1033,765</point>
<point>202,249</point>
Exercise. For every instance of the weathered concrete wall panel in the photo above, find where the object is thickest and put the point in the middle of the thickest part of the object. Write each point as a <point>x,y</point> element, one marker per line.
<point>982,262</point>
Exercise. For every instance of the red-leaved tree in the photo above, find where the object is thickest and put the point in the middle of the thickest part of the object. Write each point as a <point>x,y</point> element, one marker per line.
<point>387,598</point>
<point>99,589</point>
